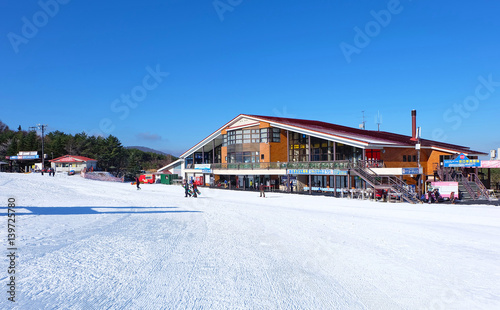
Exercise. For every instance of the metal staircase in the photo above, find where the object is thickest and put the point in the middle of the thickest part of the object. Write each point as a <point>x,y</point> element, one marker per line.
<point>469,190</point>
<point>383,182</point>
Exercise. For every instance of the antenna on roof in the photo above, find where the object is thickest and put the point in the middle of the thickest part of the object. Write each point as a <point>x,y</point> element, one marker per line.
<point>362,125</point>
<point>378,120</point>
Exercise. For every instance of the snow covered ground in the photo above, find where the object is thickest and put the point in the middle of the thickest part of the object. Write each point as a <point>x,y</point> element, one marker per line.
<point>86,244</point>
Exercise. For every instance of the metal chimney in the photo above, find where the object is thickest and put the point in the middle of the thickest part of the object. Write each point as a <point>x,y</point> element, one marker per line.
<point>414,125</point>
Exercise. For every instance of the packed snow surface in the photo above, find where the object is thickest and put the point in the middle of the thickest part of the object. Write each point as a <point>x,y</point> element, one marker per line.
<point>86,244</point>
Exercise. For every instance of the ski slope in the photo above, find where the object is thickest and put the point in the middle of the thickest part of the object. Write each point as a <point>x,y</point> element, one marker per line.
<point>86,244</point>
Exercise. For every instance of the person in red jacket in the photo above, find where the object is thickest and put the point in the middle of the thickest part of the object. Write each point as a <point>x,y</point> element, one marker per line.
<point>195,190</point>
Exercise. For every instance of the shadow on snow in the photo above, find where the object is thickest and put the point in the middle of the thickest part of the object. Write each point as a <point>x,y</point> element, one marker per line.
<point>96,210</point>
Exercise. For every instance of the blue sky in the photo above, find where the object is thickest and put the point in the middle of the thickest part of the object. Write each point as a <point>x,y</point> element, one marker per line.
<point>165,74</point>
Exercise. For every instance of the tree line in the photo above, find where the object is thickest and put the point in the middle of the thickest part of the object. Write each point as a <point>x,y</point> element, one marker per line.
<point>108,151</point>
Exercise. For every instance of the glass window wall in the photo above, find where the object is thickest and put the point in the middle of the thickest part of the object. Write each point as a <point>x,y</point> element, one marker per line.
<point>243,157</point>
<point>321,150</point>
<point>299,147</point>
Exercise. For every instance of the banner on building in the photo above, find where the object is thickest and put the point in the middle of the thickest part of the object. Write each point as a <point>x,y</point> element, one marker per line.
<point>316,172</point>
<point>462,161</point>
<point>24,156</point>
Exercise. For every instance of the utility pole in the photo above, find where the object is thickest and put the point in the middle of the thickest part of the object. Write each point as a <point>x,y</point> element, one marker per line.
<point>42,128</point>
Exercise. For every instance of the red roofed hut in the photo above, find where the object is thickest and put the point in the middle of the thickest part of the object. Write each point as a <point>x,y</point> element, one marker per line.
<point>76,163</point>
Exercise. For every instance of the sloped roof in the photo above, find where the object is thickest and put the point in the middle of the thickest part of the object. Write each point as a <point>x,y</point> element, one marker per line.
<point>369,136</point>
<point>71,159</point>
<point>355,136</point>
<point>172,164</point>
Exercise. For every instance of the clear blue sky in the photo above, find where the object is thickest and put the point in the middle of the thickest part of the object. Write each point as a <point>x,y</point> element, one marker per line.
<point>68,63</point>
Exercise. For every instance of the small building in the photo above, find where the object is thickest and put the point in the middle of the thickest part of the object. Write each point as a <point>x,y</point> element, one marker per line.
<point>76,163</point>
<point>3,166</point>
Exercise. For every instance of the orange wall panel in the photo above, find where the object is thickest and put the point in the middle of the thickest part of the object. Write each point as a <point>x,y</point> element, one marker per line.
<point>264,125</point>
<point>223,154</point>
<point>265,149</point>
<point>393,157</point>
<point>278,150</point>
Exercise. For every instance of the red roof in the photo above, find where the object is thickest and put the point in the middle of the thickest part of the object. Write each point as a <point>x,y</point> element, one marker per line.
<point>71,159</point>
<point>367,137</point>
<point>363,134</point>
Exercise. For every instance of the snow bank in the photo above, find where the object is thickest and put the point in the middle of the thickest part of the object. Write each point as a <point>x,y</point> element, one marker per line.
<point>101,176</point>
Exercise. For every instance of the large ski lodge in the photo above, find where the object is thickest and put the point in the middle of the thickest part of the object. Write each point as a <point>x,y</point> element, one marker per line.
<point>303,155</point>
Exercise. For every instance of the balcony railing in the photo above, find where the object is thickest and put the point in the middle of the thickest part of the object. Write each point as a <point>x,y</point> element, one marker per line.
<point>341,164</point>
<point>249,166</point>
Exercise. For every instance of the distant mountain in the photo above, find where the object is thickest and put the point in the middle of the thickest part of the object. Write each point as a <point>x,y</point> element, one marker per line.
<point>146,149</point>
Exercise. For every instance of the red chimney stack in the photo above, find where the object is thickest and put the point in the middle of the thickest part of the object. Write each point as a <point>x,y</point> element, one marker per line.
<point>414,125</point>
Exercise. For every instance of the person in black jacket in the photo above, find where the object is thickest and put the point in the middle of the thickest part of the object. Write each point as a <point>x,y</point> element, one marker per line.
<point>186,189</point>
<point>137,182</point>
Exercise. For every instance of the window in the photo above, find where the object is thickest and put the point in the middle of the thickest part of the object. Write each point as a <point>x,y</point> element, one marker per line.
<point>262,156</point>
<point>235,137</point>
<point>243,157</point>
<point>241,136</point>
<point>255,136</point>
<point>415,158</point>
<point>276,134</point>
<point>247,138</point>
<point>299,147</point>
<point>224,140</point>
<point>264,135</point>
<point>404,158</point>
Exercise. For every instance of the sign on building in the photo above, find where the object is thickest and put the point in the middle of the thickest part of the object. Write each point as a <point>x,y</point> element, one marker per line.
<point>462,161</point>
<point>411,171</point>
<point>316,171</point>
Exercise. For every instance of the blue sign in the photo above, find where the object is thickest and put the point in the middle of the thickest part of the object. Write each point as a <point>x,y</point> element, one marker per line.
<point>25,157</point>
<point>462,161</point>
<point>316,171</point>
<point>411,171</point>
<point>206,170</point>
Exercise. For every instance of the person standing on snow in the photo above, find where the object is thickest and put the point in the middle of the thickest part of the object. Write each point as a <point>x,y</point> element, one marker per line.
<point>186,189</point>
<point>137,182</point>
<point>195,189</point>
<point>262,188</point>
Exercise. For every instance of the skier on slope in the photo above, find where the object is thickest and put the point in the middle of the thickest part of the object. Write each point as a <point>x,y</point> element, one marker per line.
<point>186,189</point>
<point>262,190</point>
<point>137,182</point>
<point>195,190</point>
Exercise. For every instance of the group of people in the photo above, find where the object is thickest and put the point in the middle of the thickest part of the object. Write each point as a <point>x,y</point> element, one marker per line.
<point>434,196</point>
<point>191,189</point>
<point>50,171</point>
